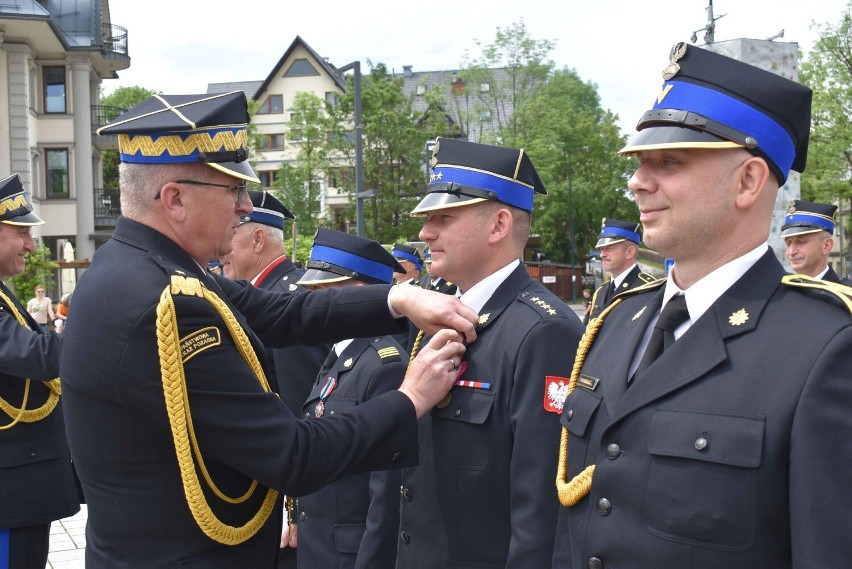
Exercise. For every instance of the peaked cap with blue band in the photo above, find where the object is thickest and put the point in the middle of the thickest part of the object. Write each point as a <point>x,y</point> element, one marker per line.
<point>407,253</point>
<point>338,256</point>
<point>183,129</point>
<point>15,205</point>
<point>709,100</point>
<point>267,209</point>
<point>615,231</point>
<point>465,173</point>
<point>809,217</point>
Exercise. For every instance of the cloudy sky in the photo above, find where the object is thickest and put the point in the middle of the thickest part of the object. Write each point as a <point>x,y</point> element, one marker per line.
<point>620,45</point>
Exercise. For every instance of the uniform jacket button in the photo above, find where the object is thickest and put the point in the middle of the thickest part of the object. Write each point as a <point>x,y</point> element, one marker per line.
<point>595,563</point>
<point>457,413</point>
<point>604,507</point>
<point>302,516</point>
<point>570,414</point>
<point>396,456</point>
<point>406,494</point>
<point>405,537</point>
<point>613,451</point>
<point>700,443</point>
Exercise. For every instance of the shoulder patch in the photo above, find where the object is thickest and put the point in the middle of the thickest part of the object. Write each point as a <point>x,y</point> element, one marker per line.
<point>652,285</point>
<point>646,278</point>
<point>387,351</point>
<point>199,341</point>
<point>187,286</point>
<point>840,291</point>
<point>546,307</point>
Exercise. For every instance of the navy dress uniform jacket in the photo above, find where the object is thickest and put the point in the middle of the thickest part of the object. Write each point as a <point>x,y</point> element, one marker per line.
<point>635,278</point>
<point>36,479</point>
<point>119,431</point>
<point>294,367</point>
<point>493,474</point>
<point>832,276</point>
<point>730,449</point>
<point>353,523</point>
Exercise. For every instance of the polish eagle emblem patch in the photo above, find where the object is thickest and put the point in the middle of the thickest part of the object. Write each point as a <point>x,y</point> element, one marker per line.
<point>555,393</point>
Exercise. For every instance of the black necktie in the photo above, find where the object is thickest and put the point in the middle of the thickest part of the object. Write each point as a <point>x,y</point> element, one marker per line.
<point>609,292</point>
<point>329,361</point>
<point>673,315</point>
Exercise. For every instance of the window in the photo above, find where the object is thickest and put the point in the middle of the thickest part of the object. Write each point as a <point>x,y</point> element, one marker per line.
<point>267,178</point>
<point>331,98</point>
<point>54,89</point>
<point>57,173</point>
<point>340,176</point>
<point>301,68</point>
<point>421,90</point>
<point>484,87</point>
<point>272,142</point>
<point>272,105</point>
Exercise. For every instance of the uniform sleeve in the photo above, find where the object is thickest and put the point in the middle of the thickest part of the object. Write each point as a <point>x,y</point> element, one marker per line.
<point>378,546</point>
<point>26,353</point>
<point>548,350</point>
<point>240,427</point>
<point>821,460</point>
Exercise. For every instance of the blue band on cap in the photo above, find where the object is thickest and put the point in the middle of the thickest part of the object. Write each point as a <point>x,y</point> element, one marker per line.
<point>408,257</point>
<point>771,137</point>
<point>258,216</point>
<point>507,191</point>
<point>4,548</point>
<point>811,220</point>
<point>633,236</point>
<point>352,262</point>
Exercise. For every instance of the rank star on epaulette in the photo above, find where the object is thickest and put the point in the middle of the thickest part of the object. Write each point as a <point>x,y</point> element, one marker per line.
<point>551,312</point>
<point>293,287</point>
<point>535,299</point>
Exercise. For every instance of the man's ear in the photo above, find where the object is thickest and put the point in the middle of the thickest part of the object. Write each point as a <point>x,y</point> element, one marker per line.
<point>172,201</point>
<point>258,238</point>
<point>754,175</point>
<point>827,245</point>
<point>502,225</point>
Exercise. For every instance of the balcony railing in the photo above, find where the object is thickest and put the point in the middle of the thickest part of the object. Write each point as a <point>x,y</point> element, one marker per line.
<point>102,115</point>
<point>107,207</point>
<point>114,39</point>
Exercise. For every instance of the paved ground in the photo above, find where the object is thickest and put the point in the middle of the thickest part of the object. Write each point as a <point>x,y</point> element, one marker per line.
<point>68,536</point>
<point>68,542</point>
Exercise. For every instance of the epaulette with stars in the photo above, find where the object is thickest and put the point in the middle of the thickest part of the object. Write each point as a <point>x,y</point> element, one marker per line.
<point>544,307</point>
<point>838,290</point>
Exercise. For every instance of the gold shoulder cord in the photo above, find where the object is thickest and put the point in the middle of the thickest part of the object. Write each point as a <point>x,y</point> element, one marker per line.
<point>180,416</point>
<point>23,414</point>
<point>572,492</point>
<point>416,346</point>
<point>840,290</point>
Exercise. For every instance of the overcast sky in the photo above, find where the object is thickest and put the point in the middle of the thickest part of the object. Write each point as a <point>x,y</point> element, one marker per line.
<point>621,45</point>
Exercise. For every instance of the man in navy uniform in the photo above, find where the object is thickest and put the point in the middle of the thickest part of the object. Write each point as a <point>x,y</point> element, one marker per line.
<point>618,243</point>
<point>483,494</point>
<point>704,441</point>
<point>808,233</point>
<point>259,256</point>
<point>410,259</point>
<point>351,523</point>
<point>180,444</point>
<point>432,281</point>
<point>36,480</point>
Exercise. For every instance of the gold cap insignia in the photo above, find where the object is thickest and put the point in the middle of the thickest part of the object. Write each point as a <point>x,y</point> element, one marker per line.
<point>347,363</point>
<point>435,150</point>
<point>677,52</point>
<point>603,223</point>
<point>738,318</point>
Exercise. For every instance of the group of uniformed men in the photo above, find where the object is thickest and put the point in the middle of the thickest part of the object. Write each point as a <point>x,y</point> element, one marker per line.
<point>698,421</point>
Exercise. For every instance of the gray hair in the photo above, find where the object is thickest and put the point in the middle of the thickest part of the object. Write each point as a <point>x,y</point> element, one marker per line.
<point>141,183</point>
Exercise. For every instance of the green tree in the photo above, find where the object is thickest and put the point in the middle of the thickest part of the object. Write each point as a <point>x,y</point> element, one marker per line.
<point>39,270</point>
<point>573,143</point>
<point>828,71</point>
<point>120,100</point>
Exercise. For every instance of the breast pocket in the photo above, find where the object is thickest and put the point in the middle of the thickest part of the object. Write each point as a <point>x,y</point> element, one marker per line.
<point>577,414</point>
<point>462,439</point>
<point>701,486</point>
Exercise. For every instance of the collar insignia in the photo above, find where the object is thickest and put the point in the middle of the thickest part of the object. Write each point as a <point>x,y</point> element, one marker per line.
<point>348,363</point>
<point>483,318</point>
<point>738,318</point>
<point>293,287</point>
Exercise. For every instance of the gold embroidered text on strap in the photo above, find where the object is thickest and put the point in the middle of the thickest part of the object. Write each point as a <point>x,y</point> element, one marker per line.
<point>180,416</point>
<point>22,414</point>
<point>580,485</point>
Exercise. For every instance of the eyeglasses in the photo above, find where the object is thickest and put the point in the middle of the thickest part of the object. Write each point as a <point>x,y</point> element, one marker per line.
<point>241,190</point>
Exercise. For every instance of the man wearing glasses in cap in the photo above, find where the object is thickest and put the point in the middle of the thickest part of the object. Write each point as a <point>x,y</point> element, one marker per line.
<point>180,443</point>
<point>704,441</point>
<point>36,480</point>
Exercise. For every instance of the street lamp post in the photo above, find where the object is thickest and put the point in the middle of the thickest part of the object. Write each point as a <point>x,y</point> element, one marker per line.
<point>359,152</point>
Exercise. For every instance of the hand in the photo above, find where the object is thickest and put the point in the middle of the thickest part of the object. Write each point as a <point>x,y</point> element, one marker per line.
<point>288,536</point>
<point>432,373</point>
<point>431,311</point>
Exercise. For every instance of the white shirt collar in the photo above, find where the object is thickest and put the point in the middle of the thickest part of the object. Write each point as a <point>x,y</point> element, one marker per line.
<point>342,345</point>
<point>479,293</point>
<point>616,281</point>
<point>701,295</point>
<point>822,274</point>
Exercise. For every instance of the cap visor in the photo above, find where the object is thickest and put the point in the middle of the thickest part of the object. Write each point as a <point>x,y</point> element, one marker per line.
<point>241,170</point>
<point>607,241</point>
<point>664,137</point>
<point>801,230</point>
<point>27,219</point>
<point>443,200</point>
<point>316,276</point>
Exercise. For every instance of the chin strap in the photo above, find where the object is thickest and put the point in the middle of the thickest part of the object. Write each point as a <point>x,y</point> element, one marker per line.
<point>580,485</point>
<point>22,414</point>
<point>180,414</point>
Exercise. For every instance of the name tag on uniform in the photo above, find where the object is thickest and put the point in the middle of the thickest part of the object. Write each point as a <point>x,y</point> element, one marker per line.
<point>588,382</point>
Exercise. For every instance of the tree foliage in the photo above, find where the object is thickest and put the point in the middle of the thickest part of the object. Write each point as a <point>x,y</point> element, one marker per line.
<point>123,98</point>
<point>828,71</point>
